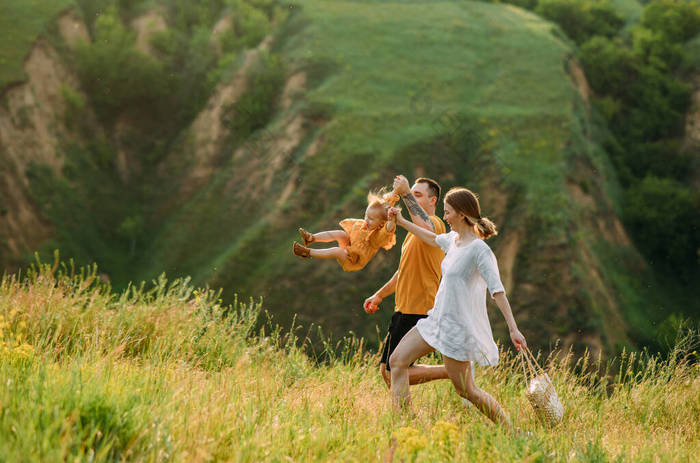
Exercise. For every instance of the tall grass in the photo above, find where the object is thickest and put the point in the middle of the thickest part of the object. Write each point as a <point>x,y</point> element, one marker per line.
<point>169,374</point>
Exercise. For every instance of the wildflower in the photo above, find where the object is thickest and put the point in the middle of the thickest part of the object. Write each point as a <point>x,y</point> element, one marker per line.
<point>445,431</point>
<point>23,351</point>
<point>410,440</point>
<point>414,444</point>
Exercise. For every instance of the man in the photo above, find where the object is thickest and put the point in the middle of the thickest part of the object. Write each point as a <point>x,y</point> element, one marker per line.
<point>417,279</point>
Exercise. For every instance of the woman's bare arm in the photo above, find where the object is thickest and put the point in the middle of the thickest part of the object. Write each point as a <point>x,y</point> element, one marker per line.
<point>515,335</point>
<point>425,235</point>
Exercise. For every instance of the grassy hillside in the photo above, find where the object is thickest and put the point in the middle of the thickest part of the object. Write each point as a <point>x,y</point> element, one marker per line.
<point>469,93</point>
<point>20,24</point>
<point>172,375</point>
<point>290,115</point>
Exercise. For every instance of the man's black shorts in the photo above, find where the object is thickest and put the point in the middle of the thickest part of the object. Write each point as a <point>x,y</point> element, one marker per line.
<point>400,325</point>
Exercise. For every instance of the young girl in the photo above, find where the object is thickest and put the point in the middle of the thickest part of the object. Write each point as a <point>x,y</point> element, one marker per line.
<point>458,325</point>
<point>359,240</point>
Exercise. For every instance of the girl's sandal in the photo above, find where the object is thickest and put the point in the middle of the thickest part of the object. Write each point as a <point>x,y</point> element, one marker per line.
<point>301,251</point>
<point>306,237</point>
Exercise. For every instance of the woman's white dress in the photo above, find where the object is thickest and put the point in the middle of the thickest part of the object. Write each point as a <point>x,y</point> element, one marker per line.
<point>458,325</point>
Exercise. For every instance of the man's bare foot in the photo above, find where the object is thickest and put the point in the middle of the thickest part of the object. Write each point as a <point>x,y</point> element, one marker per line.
<point>301,251</point>
<point>306,237</point>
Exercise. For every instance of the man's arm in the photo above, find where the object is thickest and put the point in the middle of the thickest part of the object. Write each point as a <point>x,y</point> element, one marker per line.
<point>418,215</point>
<point>371,303</point>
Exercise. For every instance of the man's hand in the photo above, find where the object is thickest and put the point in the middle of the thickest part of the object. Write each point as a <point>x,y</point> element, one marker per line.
<point>371,304</point>
<point>401,185</point>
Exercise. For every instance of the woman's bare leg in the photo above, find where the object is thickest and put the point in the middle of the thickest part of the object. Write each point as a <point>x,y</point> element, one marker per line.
<point>411,348</point>
<point>333,235</point>
<point>461,375</point>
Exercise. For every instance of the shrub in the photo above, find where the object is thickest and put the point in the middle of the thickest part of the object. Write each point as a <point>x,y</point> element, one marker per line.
<point>116,76</point>
<point>256,106</point>
<point>609,66</point>
<point>662,216</point>
<point>677,20</point>
<point>250,23</point>
<point>582,20</point>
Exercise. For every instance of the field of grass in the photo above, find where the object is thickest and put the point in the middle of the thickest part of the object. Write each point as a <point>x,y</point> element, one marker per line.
<point>20,24</point>
<point>171,375</point>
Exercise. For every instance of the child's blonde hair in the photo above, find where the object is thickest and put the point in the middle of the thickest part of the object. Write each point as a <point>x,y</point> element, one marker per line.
<point>382,200</point>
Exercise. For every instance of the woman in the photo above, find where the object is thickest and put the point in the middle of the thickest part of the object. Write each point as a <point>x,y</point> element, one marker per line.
<point>458,326</point>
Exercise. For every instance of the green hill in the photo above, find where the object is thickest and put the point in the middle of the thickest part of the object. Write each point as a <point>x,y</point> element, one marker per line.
<point>469,93</point>
<point>289,116</point>
<point>21,23</point>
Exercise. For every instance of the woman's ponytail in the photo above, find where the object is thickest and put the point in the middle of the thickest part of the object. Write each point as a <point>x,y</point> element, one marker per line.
<point>466,202</point>
<point>486,228</point>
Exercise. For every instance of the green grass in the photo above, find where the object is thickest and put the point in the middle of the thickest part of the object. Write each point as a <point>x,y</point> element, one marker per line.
<point>172,375</point>
<point>20,24</point>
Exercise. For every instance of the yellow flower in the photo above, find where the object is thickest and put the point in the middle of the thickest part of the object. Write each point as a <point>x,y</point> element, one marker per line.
<point>406,432</point>
<point>410,440</point>
<point>414,444</point>
<point>23,350</point>
<point>444,431</point>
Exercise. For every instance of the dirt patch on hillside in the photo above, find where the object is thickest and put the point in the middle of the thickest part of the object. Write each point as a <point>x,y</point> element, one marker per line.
<point>32,130</point>
<point>507,257</point>
<point>145,26</point>
<point>31,121</point>
<point>604,220</point>
<point>578,80</point>
<point>691,142</point>
<point>221,26</point>
<point>614,324</point>
<point>692,120</point>
<point>72,29</point>
<point>209,132</point>
<point>295,86</point>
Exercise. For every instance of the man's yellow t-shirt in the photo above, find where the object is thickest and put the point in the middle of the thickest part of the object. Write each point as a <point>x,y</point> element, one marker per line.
<point>419,273</point>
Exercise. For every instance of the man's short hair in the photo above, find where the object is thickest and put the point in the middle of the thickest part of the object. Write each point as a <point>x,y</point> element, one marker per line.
<point>433,186</point>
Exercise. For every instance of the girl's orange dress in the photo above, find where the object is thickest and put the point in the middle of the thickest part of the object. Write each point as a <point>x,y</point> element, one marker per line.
<point>364,243</point>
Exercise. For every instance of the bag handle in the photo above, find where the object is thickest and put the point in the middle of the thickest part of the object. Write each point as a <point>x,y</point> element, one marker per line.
<point>532,366</point>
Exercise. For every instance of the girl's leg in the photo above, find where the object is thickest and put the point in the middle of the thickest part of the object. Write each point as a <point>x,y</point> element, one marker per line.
<point>461,376</point>
<point>333,235</point>
<point>410,349</point>
<point>330,253</point>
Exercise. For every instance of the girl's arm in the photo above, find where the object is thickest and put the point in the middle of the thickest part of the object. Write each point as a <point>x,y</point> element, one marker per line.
<point>515,335</point>
<point>425,235</point>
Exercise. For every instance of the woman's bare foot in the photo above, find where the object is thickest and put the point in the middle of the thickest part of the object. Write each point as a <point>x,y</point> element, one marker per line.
<point>301,251</point>
<point>306,237</point>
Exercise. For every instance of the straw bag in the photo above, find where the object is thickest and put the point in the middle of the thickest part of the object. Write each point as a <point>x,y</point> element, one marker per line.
<point>540,390</point>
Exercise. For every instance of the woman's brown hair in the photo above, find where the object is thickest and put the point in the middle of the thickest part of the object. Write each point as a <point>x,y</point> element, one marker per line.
<point>466,202</point>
